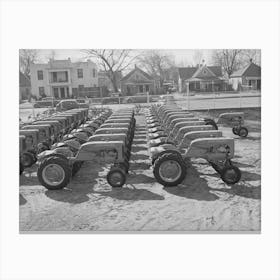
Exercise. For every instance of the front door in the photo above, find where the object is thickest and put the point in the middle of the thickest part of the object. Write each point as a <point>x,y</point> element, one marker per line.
<point>62,92</point>
<point>258,84</point>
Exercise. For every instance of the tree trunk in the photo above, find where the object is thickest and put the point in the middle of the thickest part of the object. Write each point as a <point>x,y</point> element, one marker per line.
<point>114,82</point>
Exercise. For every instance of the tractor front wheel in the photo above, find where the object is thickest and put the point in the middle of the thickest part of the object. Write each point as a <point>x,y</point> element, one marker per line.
<point>169,169</point>
<point>243,132</point>
<point>230,174</point>
<point>21,168</point>
<point>76,167</point>
<point>28,159</point>
<point>235,130</point>
<point>54,173</point>
<point>116,177</point>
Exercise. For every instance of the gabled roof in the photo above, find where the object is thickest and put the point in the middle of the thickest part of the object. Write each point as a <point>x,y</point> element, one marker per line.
<point>251,70</point>
<point>136,69</point>
<point>186,73</point>
<point>203,72</point>
<point>24,81</point>
<point>217,70</point>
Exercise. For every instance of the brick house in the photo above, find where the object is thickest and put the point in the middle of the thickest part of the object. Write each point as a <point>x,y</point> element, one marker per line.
<point>202,78</point>
<point>138,81</point>
<point>248,77</point>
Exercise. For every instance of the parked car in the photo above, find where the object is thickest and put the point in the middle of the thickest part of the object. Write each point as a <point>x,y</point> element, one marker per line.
<point>110,100</point>
<point>83,103</point>
<point>67,104</point>
<point>141,98</point>
<point>45,103</point>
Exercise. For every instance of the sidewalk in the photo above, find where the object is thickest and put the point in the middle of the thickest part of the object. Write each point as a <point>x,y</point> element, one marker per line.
<point>216,95</point>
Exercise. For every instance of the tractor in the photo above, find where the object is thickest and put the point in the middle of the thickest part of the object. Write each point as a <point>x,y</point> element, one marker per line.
<point>191,139</point>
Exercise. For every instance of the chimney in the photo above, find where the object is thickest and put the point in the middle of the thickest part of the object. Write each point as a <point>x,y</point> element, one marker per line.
<point>251,60</point>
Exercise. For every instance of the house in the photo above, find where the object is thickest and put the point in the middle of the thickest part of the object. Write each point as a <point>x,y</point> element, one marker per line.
<point>24,87</point>
<point>64,79</point>
<point>201,78</point>
<point>248,77</point>
<point>104,81</point>
<point>138,81</point>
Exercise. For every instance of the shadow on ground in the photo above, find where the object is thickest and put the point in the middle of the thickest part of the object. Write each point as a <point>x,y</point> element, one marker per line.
<point>131,194</point>
<point>242,190</point>
<point>196,188</point>
<point>22,200</point>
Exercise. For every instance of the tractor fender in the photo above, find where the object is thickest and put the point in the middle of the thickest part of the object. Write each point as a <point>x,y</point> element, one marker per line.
<point>62,152</point>
<point>156,152</point>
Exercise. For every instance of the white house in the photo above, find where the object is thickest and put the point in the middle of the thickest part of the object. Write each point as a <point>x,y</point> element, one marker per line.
<point>62,78</point>
<point>248,77</point>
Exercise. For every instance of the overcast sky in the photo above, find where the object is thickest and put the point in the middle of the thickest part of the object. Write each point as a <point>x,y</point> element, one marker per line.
<point>181,56</point>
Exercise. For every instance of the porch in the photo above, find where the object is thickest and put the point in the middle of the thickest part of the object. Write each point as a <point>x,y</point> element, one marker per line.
<point>133,88</point>
<point>61,92</point>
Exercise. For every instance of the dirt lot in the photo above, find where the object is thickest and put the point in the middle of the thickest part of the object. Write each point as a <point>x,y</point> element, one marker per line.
<point>202,203</point>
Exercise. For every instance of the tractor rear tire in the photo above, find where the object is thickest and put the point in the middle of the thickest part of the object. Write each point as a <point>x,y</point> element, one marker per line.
<point>62,166</point>
<point>178,172</point>
<point>230,174</point>
<point>211,122</point>
<point>243,132</point>
<point>116,177</point>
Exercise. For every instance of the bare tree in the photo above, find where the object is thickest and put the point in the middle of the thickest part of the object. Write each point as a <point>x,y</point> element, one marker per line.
<point>26,57</point>
<point>251,54</point>
<point>112,61</point>
<point>157,64</point>
<point>229,59</point>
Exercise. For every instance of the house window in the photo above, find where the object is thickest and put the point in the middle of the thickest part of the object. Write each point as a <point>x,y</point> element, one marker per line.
<point>41,91</point>
<point>147,88</point>
<point>40,75</point>
<point>250,82</point>
<point>93,73</point>
<point>54,77</point>
<point>80,73</point>
<point>55,92</point>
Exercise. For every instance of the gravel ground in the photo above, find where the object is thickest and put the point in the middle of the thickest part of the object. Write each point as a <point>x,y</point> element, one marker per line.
<point>201,203</point>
